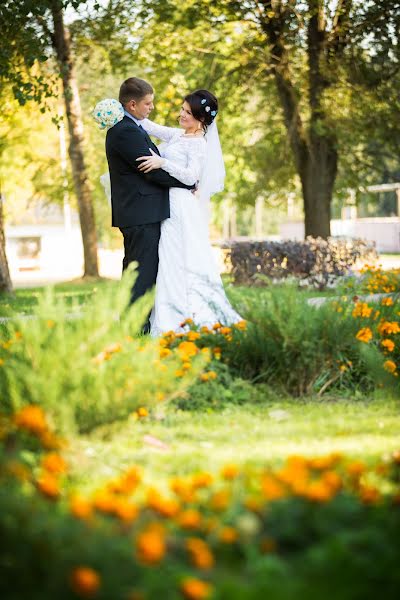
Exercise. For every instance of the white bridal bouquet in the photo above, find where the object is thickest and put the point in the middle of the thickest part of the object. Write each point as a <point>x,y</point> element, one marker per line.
<point>108,112</point>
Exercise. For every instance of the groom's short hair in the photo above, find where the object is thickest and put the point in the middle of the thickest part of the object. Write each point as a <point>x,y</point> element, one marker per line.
<point>134,89</point>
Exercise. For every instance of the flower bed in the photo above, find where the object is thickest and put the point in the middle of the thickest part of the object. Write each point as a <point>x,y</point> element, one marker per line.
<point>313,527</point>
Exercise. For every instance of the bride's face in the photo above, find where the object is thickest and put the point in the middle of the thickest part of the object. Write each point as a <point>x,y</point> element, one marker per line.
<point>186,118</point>
<point>142,108</point>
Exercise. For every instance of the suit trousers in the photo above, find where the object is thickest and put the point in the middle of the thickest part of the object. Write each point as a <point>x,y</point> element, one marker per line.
<point>141,245</point>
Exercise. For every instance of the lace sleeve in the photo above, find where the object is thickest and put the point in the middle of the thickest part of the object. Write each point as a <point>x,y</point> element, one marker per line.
<point>196,154</point>
<point>160,131</point>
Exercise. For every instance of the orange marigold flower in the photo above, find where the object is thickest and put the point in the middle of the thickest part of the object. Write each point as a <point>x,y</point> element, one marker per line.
<point>200,480</point>
<point>220,500</point>
<point>271,488</point>
<point>31,418</point>
<point>356,468</point>
<point>150,545</point>
<point>225,330</point>
<point>200,553</point>
<point>389,345</point>
<point>217,326</point>
<point>319,491</point>
<point>80,507</point>
<point>369,494</point>
<point>85,582</point>
<point>389,366</point>
<point>364,335</point>
<point>189,519</point>
<point>54,463</point>
<point>49,486</point>
<point>230,471</point>
<point>195,589</point>
<point>242,325</point>
<point>228,535</point>
<point>165,507</point>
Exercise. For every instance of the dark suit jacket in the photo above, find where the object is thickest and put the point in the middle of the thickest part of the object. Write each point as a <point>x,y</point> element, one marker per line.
<point>136,198</point>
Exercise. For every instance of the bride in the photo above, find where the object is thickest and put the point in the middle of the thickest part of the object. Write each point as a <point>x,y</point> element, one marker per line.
<point>188,282</point>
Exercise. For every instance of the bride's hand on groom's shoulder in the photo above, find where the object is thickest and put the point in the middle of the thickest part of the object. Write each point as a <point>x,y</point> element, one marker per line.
<point>149,163</point>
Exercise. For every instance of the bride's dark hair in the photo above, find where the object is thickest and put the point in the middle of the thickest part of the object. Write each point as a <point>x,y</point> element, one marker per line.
<point>204,106</point>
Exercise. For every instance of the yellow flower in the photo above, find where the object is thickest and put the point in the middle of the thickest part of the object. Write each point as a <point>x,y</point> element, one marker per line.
<point>193,336</point>
<point>85,582</point>
<point>217,326</point>
<point>187,349</point>
<point>388,345</point>
<point>195,589</point>
<point>187,322</point>
<point>364,335</point>
<point>205,330</point>
<point>389,366</point>
<point>387,301</point>
<point>389,328</point>
<point>164,352</point>
<point>142,412</point>
<point>242,325</point>
<point>362,309</point>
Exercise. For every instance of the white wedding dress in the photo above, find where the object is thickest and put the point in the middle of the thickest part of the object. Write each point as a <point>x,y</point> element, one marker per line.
<point>188,282</point>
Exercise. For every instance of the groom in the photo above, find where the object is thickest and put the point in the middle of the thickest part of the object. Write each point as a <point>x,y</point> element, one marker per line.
<point>139,201</point>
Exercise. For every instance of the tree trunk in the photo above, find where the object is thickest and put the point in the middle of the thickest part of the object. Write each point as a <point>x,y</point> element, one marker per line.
<point>317,181</point>
<point>62,45</point>
<point>5,280</point>
<point>314,148</point>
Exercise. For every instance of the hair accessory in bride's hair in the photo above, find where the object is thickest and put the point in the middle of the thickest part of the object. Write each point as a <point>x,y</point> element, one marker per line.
<point>203,101</point>
<point>108,112</point>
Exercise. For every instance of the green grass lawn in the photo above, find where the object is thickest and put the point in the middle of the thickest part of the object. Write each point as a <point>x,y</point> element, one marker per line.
<point>24,300</point>
<point>249,434</point>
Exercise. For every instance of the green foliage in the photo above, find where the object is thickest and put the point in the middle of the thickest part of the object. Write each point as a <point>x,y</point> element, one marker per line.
<point>292,345</point>
<point>225,390</point>
<point>85,367</point>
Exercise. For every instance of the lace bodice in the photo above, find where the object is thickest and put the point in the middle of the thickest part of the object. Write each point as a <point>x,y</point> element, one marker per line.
<point>184,156</point>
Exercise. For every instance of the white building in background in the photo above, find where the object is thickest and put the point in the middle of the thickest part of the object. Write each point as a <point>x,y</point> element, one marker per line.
<point>45,244</point>
<point>384,231</point>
